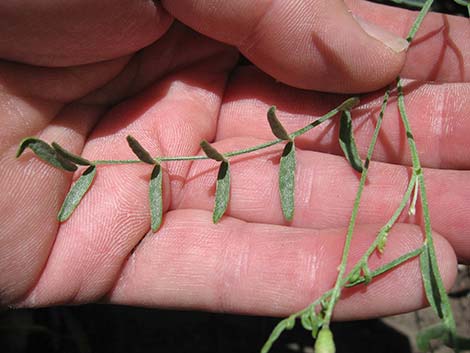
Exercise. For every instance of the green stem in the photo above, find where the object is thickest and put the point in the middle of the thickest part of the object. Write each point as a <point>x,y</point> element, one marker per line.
<point>439,300</point>
<point>299,132</point>
<point>352,223</point>
<point>283,324</point>
<point>115,161</point>
<point>417,23</point>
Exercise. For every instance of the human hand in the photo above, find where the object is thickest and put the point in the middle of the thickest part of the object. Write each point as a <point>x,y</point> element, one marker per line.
<point>185,88</point>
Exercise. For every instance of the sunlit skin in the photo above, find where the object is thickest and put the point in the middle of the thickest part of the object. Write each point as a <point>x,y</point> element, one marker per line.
<point>87,74</point>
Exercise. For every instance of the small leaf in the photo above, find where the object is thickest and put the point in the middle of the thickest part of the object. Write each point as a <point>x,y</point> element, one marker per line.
<point>46,153</point>
<point>156,197</point>
<point>76,193</point>
<point>276,126</point>
<point>356,276</point>
<point>139,151</point>
<point>317,323</point>
<point>69,155</point>
<point>306,321</point>
<point>429,282</point>
<point>348,104</point>
<point>425,336</point>
<point>367,274</point>
<point>287,180</point>
<point>211,152</point>
<point>290,322</point>
<point>347,143</point>
<point>222,193</point>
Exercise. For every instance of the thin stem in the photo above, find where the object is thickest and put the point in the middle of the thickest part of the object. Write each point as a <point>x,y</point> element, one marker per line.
<point>387,267</point>
<point>181,158</point>
<point>436,283</point>
<point>299,132</point>
<point>116,161</point>
<point>347,245</point>
<point>282,325</point>
<point>417,23</point>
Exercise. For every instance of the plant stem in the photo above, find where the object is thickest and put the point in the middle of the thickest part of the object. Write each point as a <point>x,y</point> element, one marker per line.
<point>299,132</point>
<point>347,245</point>
<point>432,280</point>
<point>417,23</point>
<point>282,325</point>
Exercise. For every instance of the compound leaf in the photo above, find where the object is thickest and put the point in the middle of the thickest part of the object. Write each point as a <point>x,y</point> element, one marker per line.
<point>76,193</point>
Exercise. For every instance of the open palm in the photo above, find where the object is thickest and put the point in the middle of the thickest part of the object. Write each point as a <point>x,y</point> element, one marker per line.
<point>184,88</point>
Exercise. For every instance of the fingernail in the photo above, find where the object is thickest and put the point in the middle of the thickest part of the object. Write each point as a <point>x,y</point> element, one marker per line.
<point>397,44</point>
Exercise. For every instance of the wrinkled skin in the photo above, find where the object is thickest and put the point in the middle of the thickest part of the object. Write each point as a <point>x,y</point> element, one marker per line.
<point>87,75</point>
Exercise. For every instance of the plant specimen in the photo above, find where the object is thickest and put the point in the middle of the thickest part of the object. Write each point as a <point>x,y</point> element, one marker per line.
<point>317,316</point>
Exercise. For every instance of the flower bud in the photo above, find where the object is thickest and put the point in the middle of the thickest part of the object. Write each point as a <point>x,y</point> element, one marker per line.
<point>324,342</point>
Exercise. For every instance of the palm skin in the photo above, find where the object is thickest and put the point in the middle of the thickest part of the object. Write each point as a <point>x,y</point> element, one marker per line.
<point>172,94</point>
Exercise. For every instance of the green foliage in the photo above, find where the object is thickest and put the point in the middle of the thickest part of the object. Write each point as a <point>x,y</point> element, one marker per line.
<point>76,193</point>
<point>156,197</point>
<point>347,141</point>
<point>222,194</point>
<point>69,155</point>
<point>45,152</point>
<point>139,151</point>
<point>276,127</point>
<point>287,180</point>
<point>317,316</point>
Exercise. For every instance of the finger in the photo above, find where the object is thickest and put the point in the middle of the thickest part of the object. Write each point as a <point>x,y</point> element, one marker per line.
<point>440,51</point>
<point>50,33</point>
<point>325,190</point>
<point>168,118</point>
<point>260,269</point>
<point>308,44</point>
<point>438,116</point>
<point>157,60</point>
<point>32,194</point>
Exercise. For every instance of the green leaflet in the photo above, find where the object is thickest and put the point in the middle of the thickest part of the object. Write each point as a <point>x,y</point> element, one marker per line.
<point>367,274</point>
<point>440,332</point>
<point>429,282</point>
<point>276,126</point>
<point>211,152</point>
<point>347,142</point>
<point>46,153</point>
<point>424,337</point>
<point>222,194</point>
<point>348,104</point>
<point>76,193</point>
<point>156,197</point>
<point>69,155</point>
<point>139,151</point>
<point>287,180</point>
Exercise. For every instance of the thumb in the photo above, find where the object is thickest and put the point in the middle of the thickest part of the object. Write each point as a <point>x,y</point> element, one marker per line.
<point>316,44</point>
